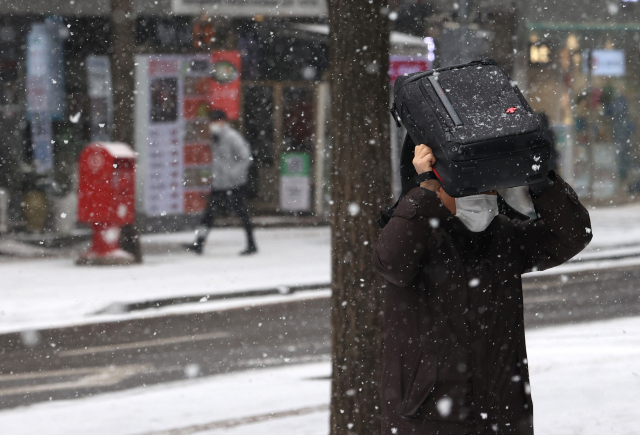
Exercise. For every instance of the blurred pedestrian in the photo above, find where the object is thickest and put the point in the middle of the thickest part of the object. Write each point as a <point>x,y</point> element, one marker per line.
<point>454,356</point>
<point>622,130</point>
<point>230,167</point>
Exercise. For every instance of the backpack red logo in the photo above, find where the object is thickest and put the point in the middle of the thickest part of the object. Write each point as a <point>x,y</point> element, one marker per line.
<point>512,109</point>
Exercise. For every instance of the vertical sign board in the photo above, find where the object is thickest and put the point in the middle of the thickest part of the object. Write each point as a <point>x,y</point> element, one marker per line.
<point>57,93</point>
<point>45,87</point>
<point>173,99</point>
<point>39,45</point>
<point>163,188</point>
<point>295,183</point>
<point>100,95</point>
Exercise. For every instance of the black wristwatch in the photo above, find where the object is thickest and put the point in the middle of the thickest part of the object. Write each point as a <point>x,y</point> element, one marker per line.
<point>425,176</point>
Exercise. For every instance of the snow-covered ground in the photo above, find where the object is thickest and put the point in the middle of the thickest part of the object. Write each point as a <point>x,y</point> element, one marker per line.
<point>49,292</point>
<point>52,292</point>
<point>585,381</point>
<point>615,226</point>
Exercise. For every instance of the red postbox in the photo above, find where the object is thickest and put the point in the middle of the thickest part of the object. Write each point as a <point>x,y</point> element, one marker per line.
<point>106,199</point>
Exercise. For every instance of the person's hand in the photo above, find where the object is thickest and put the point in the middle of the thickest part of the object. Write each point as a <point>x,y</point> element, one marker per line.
<point>423,159</point>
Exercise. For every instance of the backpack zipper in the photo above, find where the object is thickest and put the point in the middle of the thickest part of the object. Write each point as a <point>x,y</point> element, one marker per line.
<point>448,130</point>
<point>445,100</point>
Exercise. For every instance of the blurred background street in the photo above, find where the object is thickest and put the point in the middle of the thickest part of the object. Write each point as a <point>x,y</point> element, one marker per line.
<point>108,324</point>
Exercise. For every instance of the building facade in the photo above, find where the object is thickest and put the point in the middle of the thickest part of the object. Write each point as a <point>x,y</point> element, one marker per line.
<point>576,61</point>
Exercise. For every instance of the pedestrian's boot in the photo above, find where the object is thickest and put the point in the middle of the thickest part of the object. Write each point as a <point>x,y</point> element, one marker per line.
<point>251,249</point>
<point>251,245</point>
<point>197,247</point>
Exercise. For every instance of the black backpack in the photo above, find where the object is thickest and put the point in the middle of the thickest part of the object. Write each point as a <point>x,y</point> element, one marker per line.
<point>482,131</point>
<point>410,179</point>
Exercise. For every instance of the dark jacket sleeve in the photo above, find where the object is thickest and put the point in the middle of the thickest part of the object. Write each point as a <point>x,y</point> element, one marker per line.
<point>404,241</point>
<point>562,230</point>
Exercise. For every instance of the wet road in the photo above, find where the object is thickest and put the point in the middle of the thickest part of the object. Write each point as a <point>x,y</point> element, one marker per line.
<point>88,360</point>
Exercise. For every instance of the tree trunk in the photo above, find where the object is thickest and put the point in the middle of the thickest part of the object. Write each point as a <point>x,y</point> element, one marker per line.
<point>123,31</point>
<point>123,27</point>
<point>360,183</point>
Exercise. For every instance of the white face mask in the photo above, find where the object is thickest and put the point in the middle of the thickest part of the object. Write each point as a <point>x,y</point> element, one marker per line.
<point>215,127</point>
<point>477,211</point>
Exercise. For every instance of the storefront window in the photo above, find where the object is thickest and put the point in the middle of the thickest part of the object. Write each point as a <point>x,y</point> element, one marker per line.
<point>586,84</point>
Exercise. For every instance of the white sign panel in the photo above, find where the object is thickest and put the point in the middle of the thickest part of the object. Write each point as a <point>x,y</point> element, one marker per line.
<point>159,134</point>
<point>295,193</point>
<point>164,170</point>
<point>250,8</point>
<point>608,63</point>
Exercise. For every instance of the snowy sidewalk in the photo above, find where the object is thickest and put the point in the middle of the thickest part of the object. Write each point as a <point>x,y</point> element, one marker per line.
<point>585,380</point>
<point>54,292</point>
<point>615,226</point>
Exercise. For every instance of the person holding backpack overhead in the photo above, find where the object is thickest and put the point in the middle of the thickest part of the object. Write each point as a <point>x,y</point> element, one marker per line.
<point>454,358</point>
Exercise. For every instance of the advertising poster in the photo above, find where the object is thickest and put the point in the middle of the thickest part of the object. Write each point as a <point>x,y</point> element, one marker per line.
<point>173,101</point>
<point>163,184</point>
<point>225,86</point>
<point>197,80</point>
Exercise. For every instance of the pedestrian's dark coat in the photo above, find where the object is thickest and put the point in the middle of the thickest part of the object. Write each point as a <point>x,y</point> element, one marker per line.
<point>455,360</point>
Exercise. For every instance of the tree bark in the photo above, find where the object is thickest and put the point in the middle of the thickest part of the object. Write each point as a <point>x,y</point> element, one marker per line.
<point>122,63</point>
<point>360,183</point>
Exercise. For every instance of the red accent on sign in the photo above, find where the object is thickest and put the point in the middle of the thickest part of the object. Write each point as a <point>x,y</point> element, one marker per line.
<point>195,201</point>
<point>224,90</point>
<point>512,109</point>
<point>197,154</point>
<point>401,65</point>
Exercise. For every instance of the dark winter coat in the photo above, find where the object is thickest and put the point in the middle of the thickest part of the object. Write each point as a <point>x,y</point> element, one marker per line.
<point>455,360</point>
